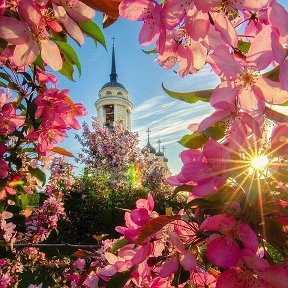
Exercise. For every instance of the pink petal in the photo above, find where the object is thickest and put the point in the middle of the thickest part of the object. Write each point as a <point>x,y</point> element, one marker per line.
<point>175,240</point>
<point>224,63</point>
<point>249,101</point>
<point>236,278</point>
<point>226,29</point>
<point>174,11</point>
<point>252,123</point>
<point>218,222</point>
<point>188,156</point>
<point>213,119</point>
<point>70,25</point>
<point>283,75</point>
<point>206,5</point>
<point>141,254</point>
<point>13,30</point>
<point>30,13</point>
<point>79,11</point>
<point>216,155</point>
<point>207,188</point>
<point>197,172</point>
<point>260,54</point>
<point>271,91</point>
<point>169,267</point>
<point>187,260</point>
<point>148,32</point>
<point>255,263</point>
<point>223,252</point>
<point>199,54</point>
<point>277,276</point>
<point>252,4</point>
<point>248,237</point>
<point>224,97</point>
<point>26,54</point>
<point>278,17</point>
<point>197,24</point>
<point>135,10</point>
<point>140,216</point>
<point>51,54</point>
<point>278,50</point>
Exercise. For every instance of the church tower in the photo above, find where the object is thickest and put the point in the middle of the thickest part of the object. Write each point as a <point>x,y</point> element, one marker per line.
<point>113,104</point>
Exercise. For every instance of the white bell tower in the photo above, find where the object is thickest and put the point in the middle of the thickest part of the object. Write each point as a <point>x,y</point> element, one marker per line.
<point>113,104</point>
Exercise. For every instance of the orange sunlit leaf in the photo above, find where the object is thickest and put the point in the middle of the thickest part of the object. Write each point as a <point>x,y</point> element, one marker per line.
<point>71,103</point>
<point>27,212</point>
<point>108,7</point>
<point>62,151</point>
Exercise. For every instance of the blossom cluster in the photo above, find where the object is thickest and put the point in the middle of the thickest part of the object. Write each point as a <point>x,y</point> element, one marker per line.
<point>234,168</point>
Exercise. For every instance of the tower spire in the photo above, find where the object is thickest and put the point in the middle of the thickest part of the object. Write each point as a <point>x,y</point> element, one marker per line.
<point>113,75</point>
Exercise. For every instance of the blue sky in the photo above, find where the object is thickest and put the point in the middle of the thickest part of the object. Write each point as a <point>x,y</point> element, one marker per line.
<point>142,76</point>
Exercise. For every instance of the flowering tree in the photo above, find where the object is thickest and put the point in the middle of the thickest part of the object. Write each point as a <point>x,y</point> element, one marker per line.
<point>114,154</point>
<point>233,230</point>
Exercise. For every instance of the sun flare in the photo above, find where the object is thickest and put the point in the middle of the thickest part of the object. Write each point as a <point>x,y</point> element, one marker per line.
<point>259,162</point>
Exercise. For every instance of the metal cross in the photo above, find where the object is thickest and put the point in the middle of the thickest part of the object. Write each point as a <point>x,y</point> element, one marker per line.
<point>159,142</point>
<point>113,38</point>
<point>148,131</point>
<point>163,148</point>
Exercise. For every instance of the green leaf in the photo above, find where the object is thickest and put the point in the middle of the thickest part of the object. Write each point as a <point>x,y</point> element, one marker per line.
<point>275,116</point>
<point>215,132</point>
<point>59,36</point>
<point>193,141</point>
<point>183,188</point>
<point>39,62</point>
<point>3,44</point>
<point>273,74</point>
<point>149,52</point>
<point>69,54</point>
<point>2,84</point>
<point>190,97</point>
<point>154,226</point>
<point>24,200</point>
<point>119,244</point>
<point>67,70</point>
<point>243,46</point>
<point>38,173</point>
<point>93,30</point>
<point>4,76</point>
<point>118,280</point>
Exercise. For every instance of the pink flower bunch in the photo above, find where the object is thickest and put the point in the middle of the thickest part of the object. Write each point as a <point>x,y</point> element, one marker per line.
<point>30,34</point>
<point>43,220</point>
<point>205,170</point>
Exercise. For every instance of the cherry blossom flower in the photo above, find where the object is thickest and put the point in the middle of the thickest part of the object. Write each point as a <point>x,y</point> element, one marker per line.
<point>29,43</point>
<point>223,249</point>
<point>206,170</point>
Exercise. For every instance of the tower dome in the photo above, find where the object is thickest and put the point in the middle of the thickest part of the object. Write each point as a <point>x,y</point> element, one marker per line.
<point>113,104</point>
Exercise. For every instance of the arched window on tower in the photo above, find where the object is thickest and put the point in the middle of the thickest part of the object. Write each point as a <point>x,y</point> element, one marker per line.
<point>109,115</point>
<point>108,93</point>
<point>119,93</point>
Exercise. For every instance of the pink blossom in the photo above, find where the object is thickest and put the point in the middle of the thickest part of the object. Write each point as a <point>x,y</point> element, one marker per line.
<point>148,11</point>
<point>47,138</point>
<point>256,272</point>
<point>28,42</point>
<point>252,90</point>
<point>206,170</point>
<point>222,250</point>
<point>9,120</point>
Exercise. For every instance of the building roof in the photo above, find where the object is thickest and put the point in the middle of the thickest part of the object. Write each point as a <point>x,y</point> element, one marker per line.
<point>113,75</point>
<point>150,148</point>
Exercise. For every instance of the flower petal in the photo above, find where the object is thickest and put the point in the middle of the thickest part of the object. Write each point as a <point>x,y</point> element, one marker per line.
<point>51,54</point>
<point>223,252</point>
